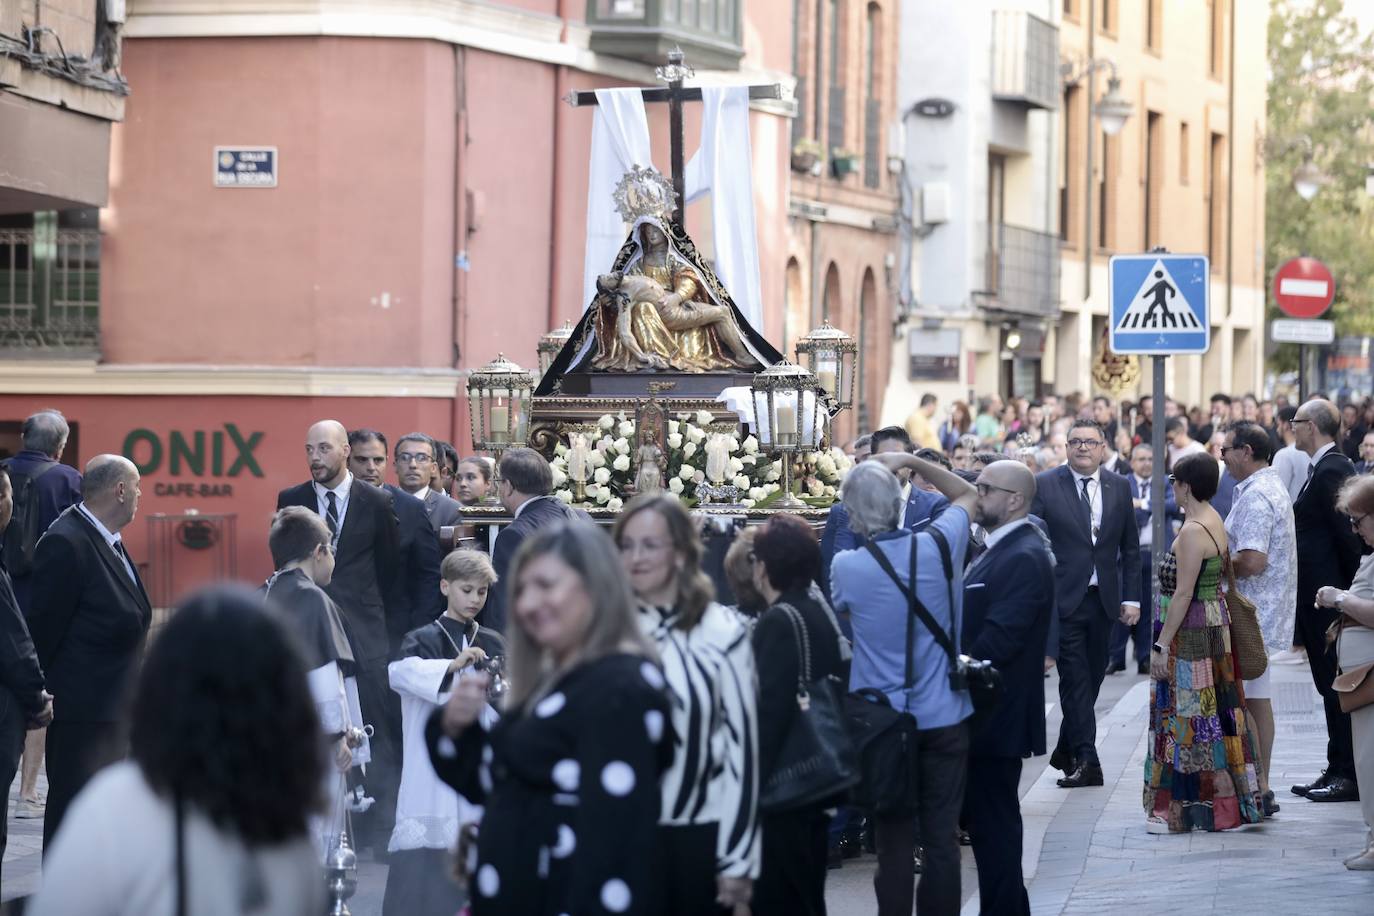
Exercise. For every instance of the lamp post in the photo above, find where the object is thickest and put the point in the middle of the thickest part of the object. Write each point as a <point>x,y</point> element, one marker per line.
<point>1308,179</point>
<point>831,355</point>
<point>499,398</point>
<point>789,417</point>
<point>550,345</point>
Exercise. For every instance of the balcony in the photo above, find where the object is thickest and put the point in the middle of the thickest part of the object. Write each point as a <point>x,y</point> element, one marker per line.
<point>1025,60</point>
<point>49,291</point>
<point>708,31</point>
<point>1023,272</point>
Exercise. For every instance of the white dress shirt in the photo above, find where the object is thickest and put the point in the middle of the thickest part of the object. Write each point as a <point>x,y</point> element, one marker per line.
<point>112,538</point>
<point>996,537</point>
<point>421,493</point>
<point>340,498</point>
<point>1142,485</point>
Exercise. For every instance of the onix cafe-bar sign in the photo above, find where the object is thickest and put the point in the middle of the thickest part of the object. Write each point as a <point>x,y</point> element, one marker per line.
<point>192,457</point>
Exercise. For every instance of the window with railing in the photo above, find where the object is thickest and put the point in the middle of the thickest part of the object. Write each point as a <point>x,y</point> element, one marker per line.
<point>50,283</point>
<point>1025,270</point>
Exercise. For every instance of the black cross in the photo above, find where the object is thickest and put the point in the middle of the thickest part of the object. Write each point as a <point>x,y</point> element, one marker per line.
<point>675,94</point>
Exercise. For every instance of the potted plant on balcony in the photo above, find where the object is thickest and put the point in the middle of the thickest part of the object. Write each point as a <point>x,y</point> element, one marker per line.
<point>806,157</point>
<point>843,162</point>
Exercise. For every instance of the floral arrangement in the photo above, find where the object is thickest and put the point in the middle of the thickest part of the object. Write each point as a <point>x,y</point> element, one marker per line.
<point>610,477</point>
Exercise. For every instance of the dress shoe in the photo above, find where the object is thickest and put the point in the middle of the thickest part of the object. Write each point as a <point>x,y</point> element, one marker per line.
<point>1271,807</point>
<point>1338,789</point>
<point>1116,667</point>
<point>918,860</point>
<point>1362,862</point>
<point>1085,774</point>
<point>1061,761</point>
<point>1321,782</point>
<point>1142,667</point>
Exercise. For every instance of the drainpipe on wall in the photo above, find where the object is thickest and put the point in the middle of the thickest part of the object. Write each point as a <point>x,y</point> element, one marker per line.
<point>458,249</point>
<point>1231,185</point>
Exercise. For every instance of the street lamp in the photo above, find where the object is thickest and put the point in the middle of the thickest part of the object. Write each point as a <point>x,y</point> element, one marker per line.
<point>1113,110</point>
<point>789,417</point>
<point>1308,180</point>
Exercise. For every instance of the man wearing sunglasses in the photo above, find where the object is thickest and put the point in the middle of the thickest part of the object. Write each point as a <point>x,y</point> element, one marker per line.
<point>1328,554</point>
<point>1093,531</point>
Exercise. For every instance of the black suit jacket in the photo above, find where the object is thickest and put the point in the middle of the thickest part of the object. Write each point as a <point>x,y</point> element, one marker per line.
<point>417,587</point>
<point>537,513</point>
<point>89,620</point>
<point>1329,550</point>
<point>21,677</point>
<point>442,510</point>
<point>1076,556</point>
<point>1008,607</point>
<point>366,565</point>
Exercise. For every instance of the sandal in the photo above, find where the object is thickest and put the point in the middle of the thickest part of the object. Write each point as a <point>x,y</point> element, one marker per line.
<point>1156,825</point>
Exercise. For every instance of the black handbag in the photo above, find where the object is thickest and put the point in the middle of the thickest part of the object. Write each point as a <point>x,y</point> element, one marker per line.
<point>817,760</point>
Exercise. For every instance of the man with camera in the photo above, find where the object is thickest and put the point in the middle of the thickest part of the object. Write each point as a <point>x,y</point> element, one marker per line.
<point>1008,605</point>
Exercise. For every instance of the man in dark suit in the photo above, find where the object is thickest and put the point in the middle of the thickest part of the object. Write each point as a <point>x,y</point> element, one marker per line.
<point>24,704</point>
<point>1142,467</point>
<point>89,618</point>
<point>1328,554</point>
<point>1008,606</point>
<point>526,481</point>
<point>1094,535</point>
<point>416,600</point>
<point>366,565</point>
<point>919,508</point>
<point>416,460</point>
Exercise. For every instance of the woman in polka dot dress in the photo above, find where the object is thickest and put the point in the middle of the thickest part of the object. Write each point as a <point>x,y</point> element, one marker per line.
<point>569,776</point>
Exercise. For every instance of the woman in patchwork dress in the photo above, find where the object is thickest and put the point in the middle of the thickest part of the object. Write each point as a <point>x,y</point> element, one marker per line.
<point>1200,767</point>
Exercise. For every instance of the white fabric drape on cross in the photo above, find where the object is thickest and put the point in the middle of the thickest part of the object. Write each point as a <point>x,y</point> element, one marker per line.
<point>722,167</point>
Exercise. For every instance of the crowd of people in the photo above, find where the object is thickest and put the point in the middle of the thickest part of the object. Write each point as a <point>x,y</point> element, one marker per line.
<point>568,718</point>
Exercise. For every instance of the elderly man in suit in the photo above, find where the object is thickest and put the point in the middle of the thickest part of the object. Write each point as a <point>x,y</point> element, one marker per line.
<point>1093,532</point>
<point>1142,469</point>
<point>89,617</point>
<point>417,457</point>
<point>366,542</point>
<point>526,481</point>
<point>919,506</point>
<point>24,704</point>
<point>1008,606</point>
<point>1328,554</point>
<point>416,599</point>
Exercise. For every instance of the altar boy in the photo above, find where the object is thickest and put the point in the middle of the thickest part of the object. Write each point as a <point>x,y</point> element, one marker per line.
<point>429,814</point>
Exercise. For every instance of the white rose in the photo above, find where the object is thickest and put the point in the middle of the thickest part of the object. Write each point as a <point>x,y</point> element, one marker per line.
<point>676,485</point>
<point>815,488</point>
<point>675,440</point>
<point>621,463</point>
<point>732,444</point>
<point>606,422</point>
<point>673,426</point>
<point>560,449</point>
<point>615,504</point>
<point>736,465</point>
<point>603,495</point>
<point>592,490</point>
<point>559,478</point>
<point>773,474</point>
<point>686,472</point>
<point>602,475</point>
<point>698,476</point>
<point>771,488</point>
<point>564,496</point>
<point>620,445</point>
<point>747,503</point>
<point>684,417</point>
<point>826,465</point>
<point>596,458</point>
<point>830,492</point>
<point>751,446</point>
<point>695,434</point>
<point>627,427</point>
<point>750,460</point>
<point>742,482</point>
<point>689,450</point>
<point>757,493</point>
<point>704,418</point>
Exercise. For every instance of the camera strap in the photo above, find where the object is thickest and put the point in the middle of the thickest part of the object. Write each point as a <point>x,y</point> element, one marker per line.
<point>917,608</point>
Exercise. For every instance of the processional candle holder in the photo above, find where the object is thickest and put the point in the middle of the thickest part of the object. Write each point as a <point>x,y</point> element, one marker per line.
<point>579,465</point>
<point>500,395</point>
<point>832,357</point>
<point>551,344</point>
<point>789,418</point>
<point>714,490</point>
<point>341,875</point>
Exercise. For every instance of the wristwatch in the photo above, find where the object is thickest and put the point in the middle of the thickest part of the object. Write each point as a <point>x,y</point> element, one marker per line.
<point>1158,648</point>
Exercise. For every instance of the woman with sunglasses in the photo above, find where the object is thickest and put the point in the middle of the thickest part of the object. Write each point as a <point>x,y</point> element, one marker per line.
<point>1202,758</point>
<point>1355,648</point>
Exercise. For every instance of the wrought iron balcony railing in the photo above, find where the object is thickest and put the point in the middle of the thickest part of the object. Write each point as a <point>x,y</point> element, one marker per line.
<point>1023,271</point>
<point>1025,59</point>
<point>49,291</point>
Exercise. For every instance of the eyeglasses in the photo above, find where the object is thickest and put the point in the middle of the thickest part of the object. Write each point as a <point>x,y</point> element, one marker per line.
<point>1084,443</point>
<point>1231,448</point>
<point>1295,421</point>
<point>985,488</point>
<point>1172,479</point>
<point>1356,521</point>
<point>413,458</point>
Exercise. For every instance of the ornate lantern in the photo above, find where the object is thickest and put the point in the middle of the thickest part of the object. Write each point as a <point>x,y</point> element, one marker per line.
<point>831,355</point>
<point>550,344</point>
<point>499,396</point>
<point>789,417</point>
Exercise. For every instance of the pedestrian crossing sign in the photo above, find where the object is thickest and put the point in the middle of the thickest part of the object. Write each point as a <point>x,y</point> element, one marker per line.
<point>1160,304</point>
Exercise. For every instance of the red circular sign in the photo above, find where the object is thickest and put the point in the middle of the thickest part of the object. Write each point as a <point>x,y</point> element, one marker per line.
<point>1304,288</point>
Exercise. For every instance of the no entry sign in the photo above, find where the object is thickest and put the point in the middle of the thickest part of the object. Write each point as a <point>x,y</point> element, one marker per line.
<point>1304,288</point>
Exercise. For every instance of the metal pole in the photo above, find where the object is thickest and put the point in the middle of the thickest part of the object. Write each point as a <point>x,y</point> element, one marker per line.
<point>675,131</point>
<point>1302,372</point>
<point>1157,519</point>
<point>1088,161</point>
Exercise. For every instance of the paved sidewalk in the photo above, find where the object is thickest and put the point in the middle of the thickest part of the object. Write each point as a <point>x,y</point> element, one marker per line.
<point>1086,850</point>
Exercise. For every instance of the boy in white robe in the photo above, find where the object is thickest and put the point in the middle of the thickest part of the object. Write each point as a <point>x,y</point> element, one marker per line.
<point>303,553</point>
<point>429,814</point>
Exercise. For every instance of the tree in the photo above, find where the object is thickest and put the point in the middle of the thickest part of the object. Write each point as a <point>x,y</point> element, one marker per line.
<point>1321,83</point>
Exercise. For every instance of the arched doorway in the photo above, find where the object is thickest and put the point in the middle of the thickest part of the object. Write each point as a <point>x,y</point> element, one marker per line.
<point>831,303</point>
<point>866,394</point>
<point>796,307</point>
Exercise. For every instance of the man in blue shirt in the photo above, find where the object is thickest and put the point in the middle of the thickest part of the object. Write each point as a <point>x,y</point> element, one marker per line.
<point>879,612</point>
<point>56,485</point>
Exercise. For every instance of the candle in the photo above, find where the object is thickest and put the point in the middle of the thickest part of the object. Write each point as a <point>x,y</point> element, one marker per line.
<point>500,424</point>
<point>717,458</point>
<point>827,379</point>
<point>787,425</point>
<point>577,458</point>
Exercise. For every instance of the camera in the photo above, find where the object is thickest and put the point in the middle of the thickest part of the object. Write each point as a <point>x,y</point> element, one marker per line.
<point>974,674</point>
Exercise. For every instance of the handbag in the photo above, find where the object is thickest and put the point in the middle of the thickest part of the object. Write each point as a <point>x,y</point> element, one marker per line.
<point>817,760</point>
<point>1354,688</point>
<point>1247,640</point>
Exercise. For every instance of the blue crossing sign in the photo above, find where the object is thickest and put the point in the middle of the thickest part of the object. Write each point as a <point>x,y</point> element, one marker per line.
<point>1160,304</point>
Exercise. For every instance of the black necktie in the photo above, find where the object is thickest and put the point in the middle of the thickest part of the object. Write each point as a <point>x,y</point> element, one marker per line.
<point>124,557</point>
<point>331,514</point>
<point>1086,500</point>
<point>1311,469</point>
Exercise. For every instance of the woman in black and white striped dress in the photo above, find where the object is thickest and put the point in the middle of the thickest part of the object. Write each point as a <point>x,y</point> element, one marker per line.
<point>709,845</point>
